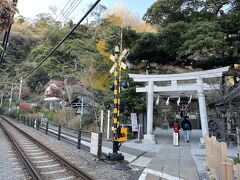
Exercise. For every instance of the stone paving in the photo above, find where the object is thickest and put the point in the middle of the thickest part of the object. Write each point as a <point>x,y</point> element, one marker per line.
<point>173,162</point>
<point>163,160</point>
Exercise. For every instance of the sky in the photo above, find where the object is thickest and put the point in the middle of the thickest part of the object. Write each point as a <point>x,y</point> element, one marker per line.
<point>30,8</point>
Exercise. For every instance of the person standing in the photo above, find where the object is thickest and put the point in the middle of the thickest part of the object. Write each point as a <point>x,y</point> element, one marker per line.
<point>187,127</point>
<point>176,128</point>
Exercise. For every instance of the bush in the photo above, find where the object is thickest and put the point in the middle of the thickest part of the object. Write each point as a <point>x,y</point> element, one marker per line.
<point>13,114</point>
<point>236,160</point>
<point>87,119</point>
<point>1,111</point>
<point>48,115</point>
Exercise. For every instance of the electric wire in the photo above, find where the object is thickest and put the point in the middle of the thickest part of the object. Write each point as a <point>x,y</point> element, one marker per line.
<point>57,46</point>
<point>70,9</point>
<point>55,29</point>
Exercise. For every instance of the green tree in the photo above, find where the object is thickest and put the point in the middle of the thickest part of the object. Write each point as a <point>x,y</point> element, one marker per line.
<point>38,79</point>
<point>147,47</point>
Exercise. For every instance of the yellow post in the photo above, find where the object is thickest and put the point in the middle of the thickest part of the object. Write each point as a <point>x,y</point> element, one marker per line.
<point>116,102</point>
<point>119,133</point>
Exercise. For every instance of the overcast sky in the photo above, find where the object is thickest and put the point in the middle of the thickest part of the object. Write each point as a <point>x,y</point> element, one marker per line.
<point>30,8</point>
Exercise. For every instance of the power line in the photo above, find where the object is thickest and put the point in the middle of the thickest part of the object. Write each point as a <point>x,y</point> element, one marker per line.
<point>54,29</point>
<point>73,9</point>
<point>57,46</point>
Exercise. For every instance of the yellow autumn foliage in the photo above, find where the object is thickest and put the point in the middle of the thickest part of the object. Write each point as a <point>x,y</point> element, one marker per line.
<point>101,47</point>
<point>98,81</point>
<point>121,16</point>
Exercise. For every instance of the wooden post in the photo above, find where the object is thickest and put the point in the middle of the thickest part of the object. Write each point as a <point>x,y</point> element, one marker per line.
<point>223,171</point>
<point>238,171</point>
<point>218,160</point>
<point>223,157</point>
<point>227,170</point>
<point>230,173</point>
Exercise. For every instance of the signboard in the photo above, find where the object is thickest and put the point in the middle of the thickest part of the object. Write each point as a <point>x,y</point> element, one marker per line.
<point>175,139</point>
<point>134,122</point>
<point>94,143</point>
<point>193,116</point>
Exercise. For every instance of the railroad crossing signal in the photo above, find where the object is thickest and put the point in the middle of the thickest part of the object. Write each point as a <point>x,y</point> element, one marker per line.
<point>119,60</point>
<point>119,133</point>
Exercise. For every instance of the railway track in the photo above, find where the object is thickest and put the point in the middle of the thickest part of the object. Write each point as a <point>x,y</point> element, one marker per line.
<point>40,161</point>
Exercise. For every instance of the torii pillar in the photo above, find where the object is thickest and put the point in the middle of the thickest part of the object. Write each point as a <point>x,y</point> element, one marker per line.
<point>202,109</point>
<point>149,138</point>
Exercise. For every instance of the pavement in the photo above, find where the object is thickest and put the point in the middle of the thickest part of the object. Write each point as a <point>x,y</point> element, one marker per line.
<point>163,160</point>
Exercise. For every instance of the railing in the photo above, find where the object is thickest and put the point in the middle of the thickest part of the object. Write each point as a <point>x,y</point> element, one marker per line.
<point>220,167</point>
<point>78,137</point>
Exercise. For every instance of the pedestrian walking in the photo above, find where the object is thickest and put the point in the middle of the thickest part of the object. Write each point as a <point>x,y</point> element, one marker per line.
<point>187,127</point>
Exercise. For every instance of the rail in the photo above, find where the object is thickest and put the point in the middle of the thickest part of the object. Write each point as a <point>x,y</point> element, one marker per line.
<point>79,173</point>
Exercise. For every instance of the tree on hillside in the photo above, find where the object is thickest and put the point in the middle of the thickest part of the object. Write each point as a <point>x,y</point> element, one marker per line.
<point>122,17</point>
<point>148,48</point>
<point>163,12</point>
<point>194,32</point>
<point>7,10</point>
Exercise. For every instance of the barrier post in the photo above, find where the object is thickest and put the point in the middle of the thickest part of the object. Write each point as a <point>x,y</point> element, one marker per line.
<point>99,152</point>
<point>46,127</point>
<point>79,139</point>
<point>59,132</point>
<point>108,124</point>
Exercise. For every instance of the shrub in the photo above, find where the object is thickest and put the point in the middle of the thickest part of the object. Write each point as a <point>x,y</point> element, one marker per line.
<point>1,111</point>
<point>13,114</point>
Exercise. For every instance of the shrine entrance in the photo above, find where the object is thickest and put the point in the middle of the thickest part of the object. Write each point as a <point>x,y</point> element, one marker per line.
<point>173,85</point>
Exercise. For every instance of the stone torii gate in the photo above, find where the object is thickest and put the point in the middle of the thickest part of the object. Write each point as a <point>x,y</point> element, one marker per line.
<point>178,85</point>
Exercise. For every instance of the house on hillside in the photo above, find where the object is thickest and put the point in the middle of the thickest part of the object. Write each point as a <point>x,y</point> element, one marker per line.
<point>54,94</point>
<point>70,92</point>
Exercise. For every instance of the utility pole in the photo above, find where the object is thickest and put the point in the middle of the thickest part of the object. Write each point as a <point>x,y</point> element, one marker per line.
<point>7,33</point>
<point>10,99</point>
<point>20,89</point>
<point>1,99</point>
<point>20,93</point>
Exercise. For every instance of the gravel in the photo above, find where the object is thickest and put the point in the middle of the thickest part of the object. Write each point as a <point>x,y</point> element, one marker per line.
<point>10,166</point>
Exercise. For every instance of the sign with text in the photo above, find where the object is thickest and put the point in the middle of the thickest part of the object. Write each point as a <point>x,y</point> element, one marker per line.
<point>175,139</point>
<point>94,143</point>
<point>134,122</point>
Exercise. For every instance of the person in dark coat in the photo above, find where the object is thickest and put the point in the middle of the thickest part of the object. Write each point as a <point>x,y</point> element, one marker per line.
<point>214,129</point>
<point>187,127</point>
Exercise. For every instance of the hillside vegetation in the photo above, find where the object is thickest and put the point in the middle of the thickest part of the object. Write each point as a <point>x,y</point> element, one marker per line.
<point>175,36</point>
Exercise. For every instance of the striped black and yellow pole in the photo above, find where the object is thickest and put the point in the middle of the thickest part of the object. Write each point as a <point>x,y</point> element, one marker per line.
<point>116,101</point>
